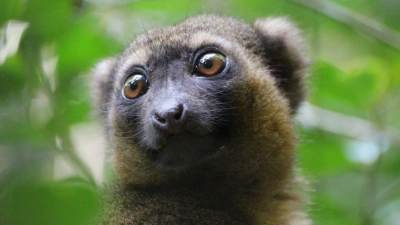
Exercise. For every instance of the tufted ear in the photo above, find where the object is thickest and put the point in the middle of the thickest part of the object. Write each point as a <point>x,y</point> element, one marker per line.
<point>101,84</point>
<point>284,52</point>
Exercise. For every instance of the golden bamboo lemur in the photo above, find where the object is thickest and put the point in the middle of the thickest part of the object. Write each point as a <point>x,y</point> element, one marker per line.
<point>199,119</point>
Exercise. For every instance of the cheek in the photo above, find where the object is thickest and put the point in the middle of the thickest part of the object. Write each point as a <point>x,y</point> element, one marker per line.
<point>127,117</point>
<point>147,136</point>
<point>206,98</point>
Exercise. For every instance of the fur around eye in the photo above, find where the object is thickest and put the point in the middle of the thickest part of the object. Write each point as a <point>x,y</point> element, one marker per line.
<point>210,64</point>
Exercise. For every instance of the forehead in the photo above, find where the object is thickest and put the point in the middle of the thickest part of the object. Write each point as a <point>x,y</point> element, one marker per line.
<point>163,46</point>
<point>182,40</point>
<point>190,34</point>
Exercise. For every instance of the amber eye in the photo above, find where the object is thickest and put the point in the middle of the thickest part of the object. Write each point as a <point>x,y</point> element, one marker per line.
<point>135,86</point>
<point>210,64</point>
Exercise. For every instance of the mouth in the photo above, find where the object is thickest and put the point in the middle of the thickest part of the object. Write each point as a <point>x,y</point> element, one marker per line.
<point>186,149</point>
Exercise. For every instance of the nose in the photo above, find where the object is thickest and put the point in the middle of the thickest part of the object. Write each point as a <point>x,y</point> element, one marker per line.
<point>170,118</point>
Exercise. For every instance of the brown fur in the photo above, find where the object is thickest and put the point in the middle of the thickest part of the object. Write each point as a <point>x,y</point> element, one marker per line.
<point>250,179</point>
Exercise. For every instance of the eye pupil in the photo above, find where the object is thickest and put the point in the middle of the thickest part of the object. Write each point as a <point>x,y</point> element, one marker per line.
<point>208,64</point>
<point>133,86</point>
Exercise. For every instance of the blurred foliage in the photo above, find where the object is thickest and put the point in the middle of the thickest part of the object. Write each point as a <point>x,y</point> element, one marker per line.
<point>351,157</point>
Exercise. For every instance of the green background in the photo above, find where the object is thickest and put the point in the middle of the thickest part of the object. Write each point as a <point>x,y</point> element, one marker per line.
<point>349,129</point>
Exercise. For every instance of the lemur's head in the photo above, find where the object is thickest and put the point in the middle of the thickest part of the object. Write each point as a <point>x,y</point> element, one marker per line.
<point>207,88</point>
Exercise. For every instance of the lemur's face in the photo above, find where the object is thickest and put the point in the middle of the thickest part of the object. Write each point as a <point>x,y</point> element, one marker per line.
<point>175,99</point>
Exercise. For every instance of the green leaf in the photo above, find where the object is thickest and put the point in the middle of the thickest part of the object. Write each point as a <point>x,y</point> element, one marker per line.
<point>71,201</point>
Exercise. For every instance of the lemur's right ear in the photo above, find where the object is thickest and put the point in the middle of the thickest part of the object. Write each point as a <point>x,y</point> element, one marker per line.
<point>285,56</point>
<point>101,85</point>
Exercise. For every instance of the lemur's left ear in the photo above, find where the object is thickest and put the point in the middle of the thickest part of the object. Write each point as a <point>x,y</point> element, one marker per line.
<point>285,56</point>
<point>101,85</point>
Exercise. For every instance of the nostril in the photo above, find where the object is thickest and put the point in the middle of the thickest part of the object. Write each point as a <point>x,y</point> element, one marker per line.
<point>159,118</point>
<point>179,112</point>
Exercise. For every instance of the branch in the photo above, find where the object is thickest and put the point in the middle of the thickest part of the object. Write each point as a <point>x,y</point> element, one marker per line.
<point>349,126</point>
<point>354,20</point>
